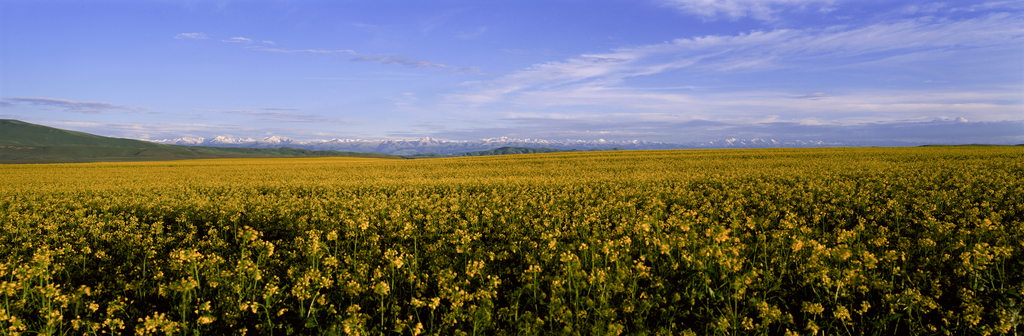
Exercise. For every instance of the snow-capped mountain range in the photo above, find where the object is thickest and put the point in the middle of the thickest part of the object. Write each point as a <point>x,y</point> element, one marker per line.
<point>226,141</point>
<point>430,145</point>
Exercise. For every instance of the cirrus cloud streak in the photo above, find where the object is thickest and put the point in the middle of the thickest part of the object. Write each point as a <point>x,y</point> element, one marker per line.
<point>87,107</point>
<point>605,79</point>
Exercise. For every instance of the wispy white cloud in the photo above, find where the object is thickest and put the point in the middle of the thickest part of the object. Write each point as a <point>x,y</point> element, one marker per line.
<point>855,106</point>
<point>758,9</point>
<point>990,5</point>
<point>310,51</point>
<point>396,59</point>
<point>238,40</point>
<point>404,99</point>
<point>684,130</point>
<point>87,107</point>
<point>929,8</point>
<point>814,96</point>
<point>282,115</point>
<point>189,115</point>
<point>600,77</point>
<point>391,59</point>
<point>479,31</point>
<point>195,36</point>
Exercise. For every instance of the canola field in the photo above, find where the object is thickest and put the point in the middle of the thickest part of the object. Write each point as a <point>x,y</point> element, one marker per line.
<point>847,241</point>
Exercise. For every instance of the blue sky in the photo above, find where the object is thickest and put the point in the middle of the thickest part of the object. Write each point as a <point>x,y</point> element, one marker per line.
<point>673,71</point>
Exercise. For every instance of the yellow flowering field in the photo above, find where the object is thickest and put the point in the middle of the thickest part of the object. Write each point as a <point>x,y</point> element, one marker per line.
<point>847,241</point>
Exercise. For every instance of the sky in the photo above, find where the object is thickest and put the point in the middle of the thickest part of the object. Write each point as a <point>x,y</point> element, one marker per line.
<point>675,71</point>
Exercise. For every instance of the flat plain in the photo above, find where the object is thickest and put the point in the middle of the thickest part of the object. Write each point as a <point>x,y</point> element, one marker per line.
<point>765,241</point>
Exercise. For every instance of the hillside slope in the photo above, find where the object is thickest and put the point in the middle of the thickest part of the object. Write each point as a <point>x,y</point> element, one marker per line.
<point>19,134</point>
<point>22,142</point>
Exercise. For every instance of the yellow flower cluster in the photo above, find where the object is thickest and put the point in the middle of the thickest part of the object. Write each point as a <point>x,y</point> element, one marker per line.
<point>768,241</point>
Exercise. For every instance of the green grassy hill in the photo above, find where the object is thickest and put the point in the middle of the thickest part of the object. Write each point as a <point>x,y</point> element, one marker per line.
<point>22,142</point>
<point>21,134</point>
